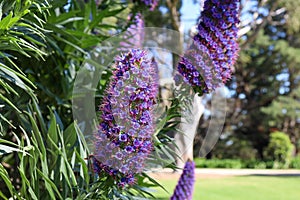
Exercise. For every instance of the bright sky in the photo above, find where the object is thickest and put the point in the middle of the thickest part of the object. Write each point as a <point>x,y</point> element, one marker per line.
<point>190,13</point>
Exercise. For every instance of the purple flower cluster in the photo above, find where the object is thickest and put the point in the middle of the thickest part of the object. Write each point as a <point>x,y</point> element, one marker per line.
<point>214,49</point>
<point>201,78</point>
<point>123,141</point>
<point>150,3</point>
<point>185,186</point>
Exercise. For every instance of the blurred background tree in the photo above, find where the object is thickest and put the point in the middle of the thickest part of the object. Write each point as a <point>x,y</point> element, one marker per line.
<point>263,95</point>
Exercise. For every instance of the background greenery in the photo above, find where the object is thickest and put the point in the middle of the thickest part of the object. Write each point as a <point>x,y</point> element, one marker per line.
<point>251,164</point>
<point>263,95</point>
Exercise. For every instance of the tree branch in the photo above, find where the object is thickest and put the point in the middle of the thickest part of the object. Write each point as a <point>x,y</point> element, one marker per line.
<point>172,5</point>
<point>259,26</point>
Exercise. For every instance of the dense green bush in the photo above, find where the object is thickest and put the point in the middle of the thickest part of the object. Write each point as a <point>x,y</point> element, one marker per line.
<point>254,164</point>
<point>249,164</point>
<point>295,162</point>
<point>218,163</point>
<point>237,148</point>
<point>279,149</point>
<point>259,164</point>
<point>277,155</point>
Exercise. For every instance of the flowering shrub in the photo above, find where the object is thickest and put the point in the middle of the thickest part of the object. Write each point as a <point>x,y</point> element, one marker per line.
<point>123,140</point>
<point>51,159</point>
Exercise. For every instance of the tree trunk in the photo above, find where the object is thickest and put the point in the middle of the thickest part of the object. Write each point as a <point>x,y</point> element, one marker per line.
<point>188,127</point>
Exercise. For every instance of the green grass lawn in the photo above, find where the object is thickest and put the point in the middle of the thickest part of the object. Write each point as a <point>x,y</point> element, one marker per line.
<point>240,188</point>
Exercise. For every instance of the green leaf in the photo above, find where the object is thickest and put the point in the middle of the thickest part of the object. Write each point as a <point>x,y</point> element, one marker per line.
<point>3,196</point>
<point>7,121</point>
<point>52,131</point>
<point>15,77</point>
<point>105,13</point>
<point>9,103</point>
<point>70,44</point>
<point>27,183</point>
<point>65,167</point>
<point>57,19</point>
<point>50,185</point>
<point>84,170</point>
<point>154,181</point>
<point>4,149</point>
<point>69,20</point>
<point>37,134</point>
<point>8,88</point>
<point>39,116</point>
<point>70,135</point>
<point>5,177</point>
<point>4,23</point>
<point>61,30</point>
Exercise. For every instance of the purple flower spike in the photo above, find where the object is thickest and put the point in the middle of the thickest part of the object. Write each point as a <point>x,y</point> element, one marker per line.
<point>123,140</point>
<point>214,49</point>
<point>185,186</point>
<point>134,35</point>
